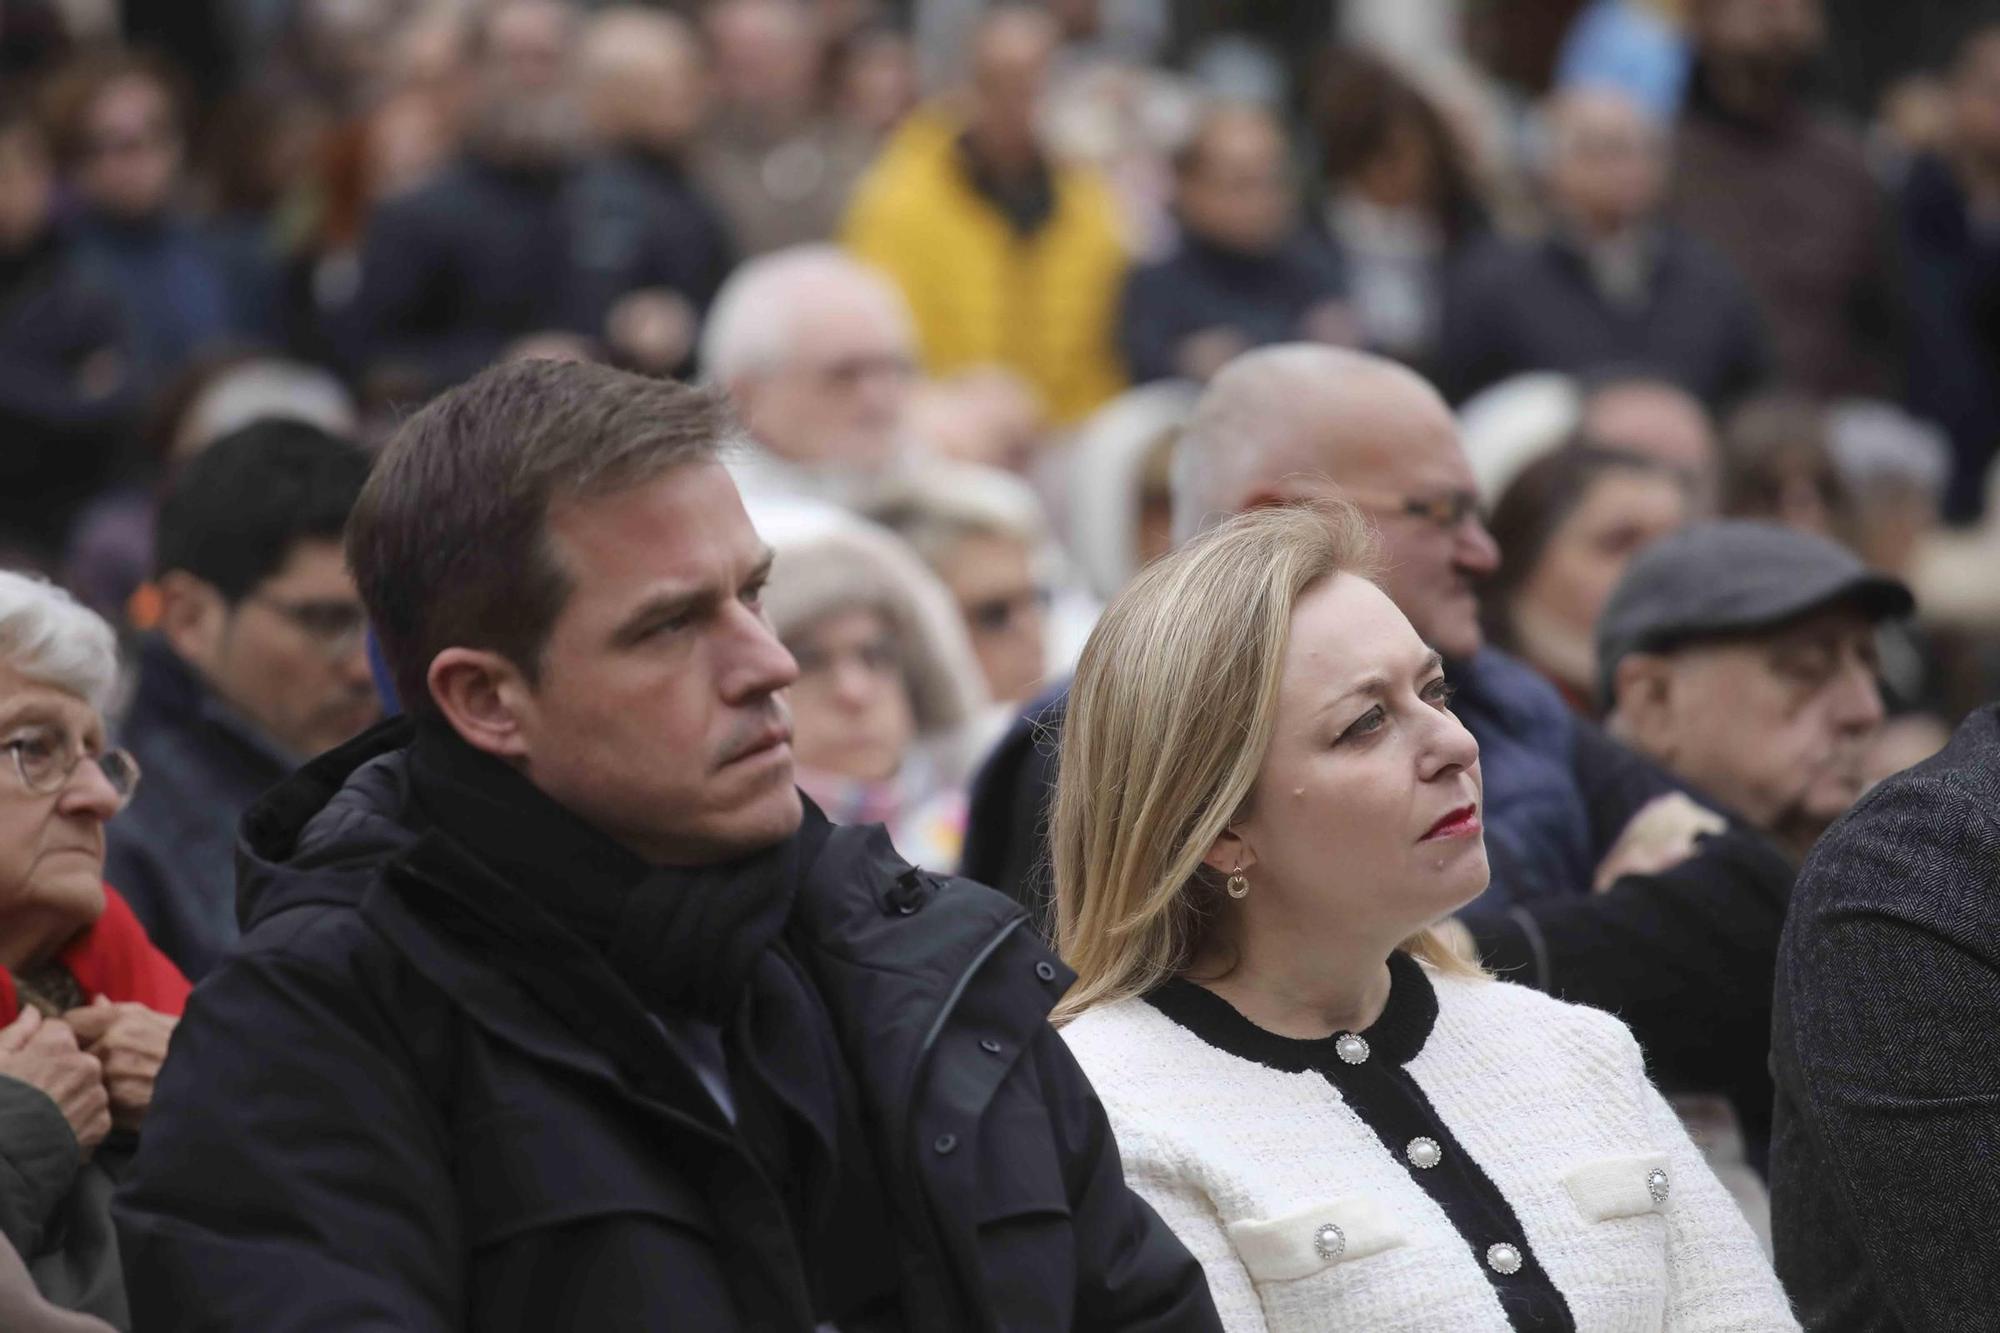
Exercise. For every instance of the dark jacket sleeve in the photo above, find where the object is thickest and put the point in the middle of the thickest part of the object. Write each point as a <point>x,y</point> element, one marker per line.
<point>1133,1273</point>
<point>1150,327</point>
<point>293,1174</point>
<point>1886,1045</point>
<point>1684,956</point>
<point>1474,347</point>
<point>38,1163</point>
<point>405,320</point>
<point>1617,782</point>
<point>1006,834</point>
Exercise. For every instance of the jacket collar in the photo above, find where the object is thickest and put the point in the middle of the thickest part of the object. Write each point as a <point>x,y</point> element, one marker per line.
<point>170,689</point>
<point>1398,1035</point>
<point>890,966</point>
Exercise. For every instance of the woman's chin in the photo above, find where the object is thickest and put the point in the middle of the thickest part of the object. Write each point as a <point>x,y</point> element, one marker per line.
<point>72,893</point>
<point>1463,877</point>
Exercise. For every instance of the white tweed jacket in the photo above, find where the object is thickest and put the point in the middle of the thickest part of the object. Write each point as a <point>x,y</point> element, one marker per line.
<point>1320,1193</point>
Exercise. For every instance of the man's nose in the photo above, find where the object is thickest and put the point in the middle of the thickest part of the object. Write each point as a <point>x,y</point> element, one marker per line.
<point>1858,706</point>
<point>756,662</point>
<point>1475,552</point>
<point>354,666</point>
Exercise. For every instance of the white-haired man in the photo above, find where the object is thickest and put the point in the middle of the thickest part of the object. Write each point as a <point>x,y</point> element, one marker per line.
<point>817,355</point>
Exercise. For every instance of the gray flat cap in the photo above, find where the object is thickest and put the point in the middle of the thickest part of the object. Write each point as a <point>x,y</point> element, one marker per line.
<point>1731,577</point>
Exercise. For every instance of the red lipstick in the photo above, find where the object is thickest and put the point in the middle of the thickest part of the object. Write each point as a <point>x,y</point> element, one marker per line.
<point>1460,823</point>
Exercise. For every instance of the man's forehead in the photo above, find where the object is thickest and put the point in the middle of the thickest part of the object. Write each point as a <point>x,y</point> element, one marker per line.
<point>315,560</point>
<point>687,517</point>
<point>1409,453</point>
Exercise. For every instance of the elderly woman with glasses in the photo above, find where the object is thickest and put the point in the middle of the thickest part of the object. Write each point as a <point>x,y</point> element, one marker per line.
<point>86,1003</point>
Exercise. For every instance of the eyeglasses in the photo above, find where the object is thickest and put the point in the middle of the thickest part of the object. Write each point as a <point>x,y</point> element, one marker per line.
<point>1446,510</point>
<point>46,759</point>
<point>338,627</point>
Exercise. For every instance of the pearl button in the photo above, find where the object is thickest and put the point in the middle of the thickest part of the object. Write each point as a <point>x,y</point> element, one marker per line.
<point>1329,1241</point>
<point>1424,1153</point>
<point>1656,1184</point>
<point>1503,1258</point>
<point>1350,1048</point>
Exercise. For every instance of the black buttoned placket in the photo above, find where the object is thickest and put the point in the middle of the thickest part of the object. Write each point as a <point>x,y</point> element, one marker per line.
<point>1368,1071</point>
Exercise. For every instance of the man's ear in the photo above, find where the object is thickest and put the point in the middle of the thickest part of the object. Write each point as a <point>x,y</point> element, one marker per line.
<point>485,698</point>
<point>1644,714</point>
<point>193,618</point>
<point>745,394</point>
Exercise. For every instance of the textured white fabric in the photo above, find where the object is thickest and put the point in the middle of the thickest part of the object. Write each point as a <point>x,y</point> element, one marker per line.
<point>1618,1186</point>
<point>1283,1248</point>
<point>1533,1088</point>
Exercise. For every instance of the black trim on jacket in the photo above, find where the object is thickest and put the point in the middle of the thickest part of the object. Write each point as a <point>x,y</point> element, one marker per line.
<point>1381,1092</point>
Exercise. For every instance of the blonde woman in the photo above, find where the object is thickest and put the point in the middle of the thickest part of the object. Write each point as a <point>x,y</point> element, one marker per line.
<point>1266,809</point>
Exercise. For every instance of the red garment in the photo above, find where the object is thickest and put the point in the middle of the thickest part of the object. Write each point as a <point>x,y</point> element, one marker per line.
<point>113,958</point>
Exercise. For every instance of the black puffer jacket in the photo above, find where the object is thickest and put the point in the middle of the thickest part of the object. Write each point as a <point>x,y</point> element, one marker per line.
<point>388,1109</point>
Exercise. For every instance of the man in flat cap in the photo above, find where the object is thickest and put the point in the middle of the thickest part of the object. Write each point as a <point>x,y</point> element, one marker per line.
<point>1741,657</point>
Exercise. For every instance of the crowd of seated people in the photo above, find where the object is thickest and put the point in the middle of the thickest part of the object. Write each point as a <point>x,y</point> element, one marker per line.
<point>933,664</point>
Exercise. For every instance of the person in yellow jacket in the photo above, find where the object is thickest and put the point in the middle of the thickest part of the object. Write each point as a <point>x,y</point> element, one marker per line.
<point>1006,257</point>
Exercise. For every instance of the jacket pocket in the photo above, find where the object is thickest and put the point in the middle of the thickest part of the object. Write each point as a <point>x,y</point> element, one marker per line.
<point>520,1173</point>
<point>1609,1187</point>
<point>1019,1175</point>
<point>1315,1237</point>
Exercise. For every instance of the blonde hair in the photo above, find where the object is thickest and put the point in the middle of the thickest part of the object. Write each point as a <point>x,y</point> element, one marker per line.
<point>1170,714</point>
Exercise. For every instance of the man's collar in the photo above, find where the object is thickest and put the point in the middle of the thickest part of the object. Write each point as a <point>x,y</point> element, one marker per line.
<point>170,684</point>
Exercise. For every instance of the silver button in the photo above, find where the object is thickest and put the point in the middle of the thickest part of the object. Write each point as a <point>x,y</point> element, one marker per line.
<point>1350,1048</point>
<point>1656,1184</point>
<point>1424,1153</point>
<point>1503,1258</point>
<point>1330,1241</point>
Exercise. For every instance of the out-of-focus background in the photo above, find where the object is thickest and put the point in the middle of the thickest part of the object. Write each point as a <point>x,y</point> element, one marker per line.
<point>962,267</point>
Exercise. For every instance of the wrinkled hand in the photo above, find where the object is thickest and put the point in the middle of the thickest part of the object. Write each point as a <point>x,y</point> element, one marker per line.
<point>651,329</point>
<point>1662,835</point>
<point>44,1054</point>
<point>130,1041</point>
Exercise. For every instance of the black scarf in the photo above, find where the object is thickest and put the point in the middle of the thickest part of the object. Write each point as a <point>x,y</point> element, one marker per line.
<point>704,942</point>
<point>686,940</point>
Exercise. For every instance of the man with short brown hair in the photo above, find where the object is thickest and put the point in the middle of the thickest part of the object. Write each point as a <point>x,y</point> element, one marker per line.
<point>557,1008</point>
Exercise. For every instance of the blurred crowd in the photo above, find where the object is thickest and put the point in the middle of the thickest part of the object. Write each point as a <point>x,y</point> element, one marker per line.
<point>974,280</point>
<point>962,273</point>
